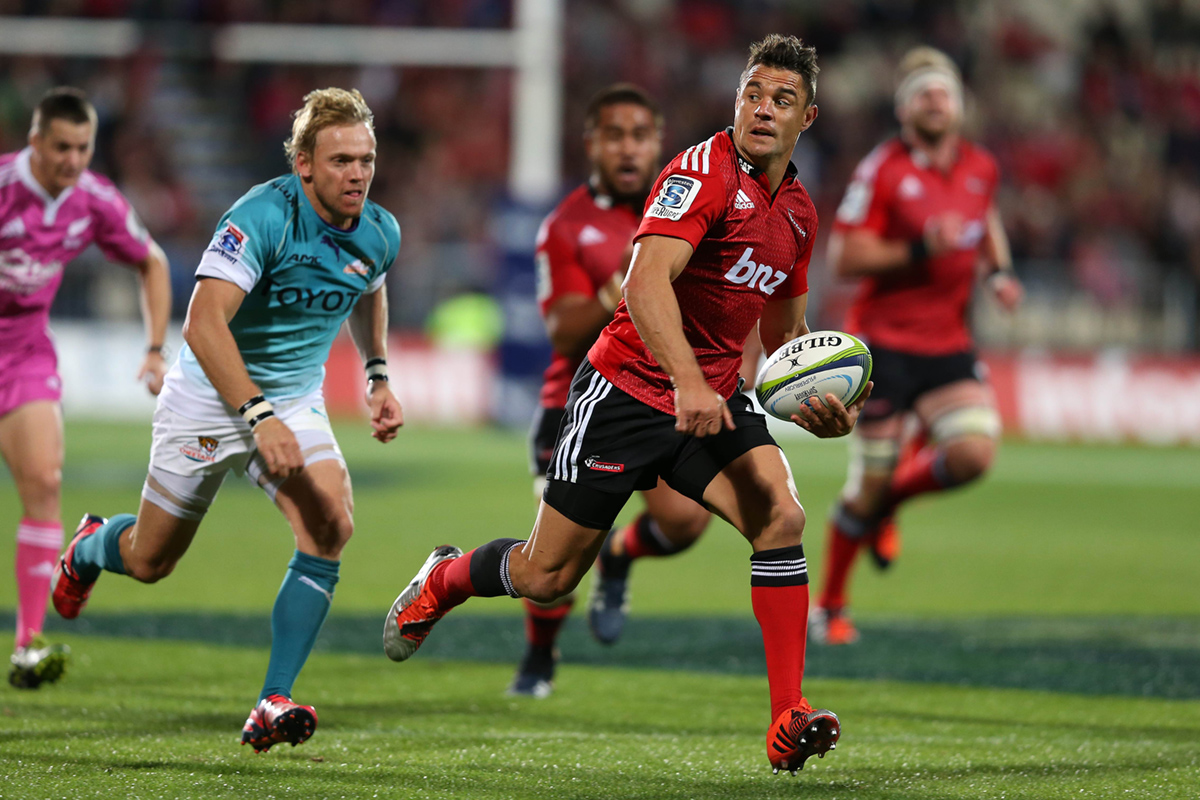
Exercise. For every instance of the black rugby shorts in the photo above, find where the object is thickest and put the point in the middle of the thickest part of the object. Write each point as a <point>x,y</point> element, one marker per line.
<point>900,378</point>
<point>611,445</point>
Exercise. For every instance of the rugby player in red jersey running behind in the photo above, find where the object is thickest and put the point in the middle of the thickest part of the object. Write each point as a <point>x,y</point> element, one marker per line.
<point>724,244</point>
<point>916,221</point>
<point>583,249</point>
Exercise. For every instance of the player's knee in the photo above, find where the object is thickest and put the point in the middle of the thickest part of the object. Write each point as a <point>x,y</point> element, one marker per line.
<point>547,587</point>
<point>40,487</point>
<point>149,570</point>
<point>332,535</point>
<point>685,529</point>
<point>970,457</point>
<point>785,529</point>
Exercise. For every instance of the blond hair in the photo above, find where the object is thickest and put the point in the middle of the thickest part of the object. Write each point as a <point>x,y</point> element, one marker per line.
<point>924,57</point>
<point>922,66</point>
<point>324,108</point>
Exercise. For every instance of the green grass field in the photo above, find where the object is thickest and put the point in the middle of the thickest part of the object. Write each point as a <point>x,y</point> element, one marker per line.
<point>1040,638</point>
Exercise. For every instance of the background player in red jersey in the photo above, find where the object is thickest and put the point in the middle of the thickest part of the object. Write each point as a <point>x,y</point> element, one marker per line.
<point>725,244</point>
<point>583,249</point>
<point>916,222</point>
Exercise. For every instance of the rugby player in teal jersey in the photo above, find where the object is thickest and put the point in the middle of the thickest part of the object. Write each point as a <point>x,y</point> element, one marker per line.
<point>291,261</point>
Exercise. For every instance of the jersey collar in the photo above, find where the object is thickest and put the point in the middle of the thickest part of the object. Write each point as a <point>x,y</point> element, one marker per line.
<point>753,171</point>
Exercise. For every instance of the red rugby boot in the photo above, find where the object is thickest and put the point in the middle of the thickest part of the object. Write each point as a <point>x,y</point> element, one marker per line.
<point>801,732</point>
<point>277,719</point>
<point>415,611</point>
<point>71,593</point>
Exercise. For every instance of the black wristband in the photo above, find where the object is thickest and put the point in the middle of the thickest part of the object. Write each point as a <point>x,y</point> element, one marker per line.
<point>249,404</point>
<point>156,348</point>
<point>918,251</point>
<point>373,361</point>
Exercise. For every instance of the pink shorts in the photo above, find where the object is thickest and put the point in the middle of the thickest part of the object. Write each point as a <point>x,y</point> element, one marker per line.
<point>28,372</point>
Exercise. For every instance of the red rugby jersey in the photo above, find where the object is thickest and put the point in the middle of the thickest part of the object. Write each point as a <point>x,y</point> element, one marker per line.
<point>894,193</point>
<point>749,247</point>
<point>579,247</point>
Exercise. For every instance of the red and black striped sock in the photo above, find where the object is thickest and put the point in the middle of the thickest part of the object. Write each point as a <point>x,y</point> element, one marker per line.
<point>779,595</point>
<point>483,572</point>
<point>543,622</point>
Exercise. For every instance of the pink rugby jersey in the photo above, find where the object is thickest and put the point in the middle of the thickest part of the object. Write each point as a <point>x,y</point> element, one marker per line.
<point>39,234</point>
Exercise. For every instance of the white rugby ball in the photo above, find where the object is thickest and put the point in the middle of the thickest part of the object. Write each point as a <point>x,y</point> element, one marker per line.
<point>816,364</point>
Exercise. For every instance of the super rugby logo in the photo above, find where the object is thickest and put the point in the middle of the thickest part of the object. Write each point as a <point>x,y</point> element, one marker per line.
<point>746,271</point>
<point>675,197</point>
<point>205,449</point>
<point>591,462</point>
<point>229,243</point>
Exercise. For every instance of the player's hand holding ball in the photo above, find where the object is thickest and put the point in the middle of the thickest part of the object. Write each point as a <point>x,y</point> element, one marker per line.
<point>819,381</point>
<point>386,414</point>
<point>278,447</point>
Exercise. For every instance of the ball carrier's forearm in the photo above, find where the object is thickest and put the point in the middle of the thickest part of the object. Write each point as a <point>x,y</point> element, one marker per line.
<point>654,309</point>
<point>652,305</point>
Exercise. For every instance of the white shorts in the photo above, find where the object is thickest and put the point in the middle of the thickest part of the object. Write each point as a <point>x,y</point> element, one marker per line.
<point>189,458</point>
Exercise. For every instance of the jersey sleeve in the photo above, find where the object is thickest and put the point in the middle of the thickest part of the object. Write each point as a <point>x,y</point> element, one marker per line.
<point>391,236</point>
<point>241,248</point>
<point>120,235</point>
<point>558,269</point>
<point>685,203</point>
<point>868,198</point>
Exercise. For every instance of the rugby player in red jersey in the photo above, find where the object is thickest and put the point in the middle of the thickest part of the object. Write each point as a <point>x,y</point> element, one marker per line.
<point>724,244</point>
<point>917,221</point>
<point>582,251</point>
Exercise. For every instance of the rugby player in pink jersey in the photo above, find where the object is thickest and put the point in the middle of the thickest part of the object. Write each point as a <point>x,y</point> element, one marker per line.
<point>51,208</point>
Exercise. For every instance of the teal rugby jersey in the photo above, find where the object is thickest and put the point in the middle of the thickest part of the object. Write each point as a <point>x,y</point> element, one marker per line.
<point>302,277</point>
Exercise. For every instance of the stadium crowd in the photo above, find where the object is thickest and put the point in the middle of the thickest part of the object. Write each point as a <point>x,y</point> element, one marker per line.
<point>1093,111</point>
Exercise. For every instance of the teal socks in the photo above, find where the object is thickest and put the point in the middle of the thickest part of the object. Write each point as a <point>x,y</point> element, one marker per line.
<point>300,609</point>
<point>101,552</point>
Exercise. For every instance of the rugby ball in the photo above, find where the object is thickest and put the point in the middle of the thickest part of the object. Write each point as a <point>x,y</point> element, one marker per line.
<point>816,364</point>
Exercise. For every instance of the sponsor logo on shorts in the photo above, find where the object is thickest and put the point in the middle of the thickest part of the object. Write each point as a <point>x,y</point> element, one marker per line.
<point>602,466</point>
<point>205,449</point>
<point>229,243</point>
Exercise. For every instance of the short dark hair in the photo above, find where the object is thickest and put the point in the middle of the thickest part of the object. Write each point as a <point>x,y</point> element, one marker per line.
<point>617,94</point>
<point>786,52</point>
<point>63,102</point>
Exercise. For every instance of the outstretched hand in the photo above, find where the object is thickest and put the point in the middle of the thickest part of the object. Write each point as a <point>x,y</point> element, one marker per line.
<point>830,419</point>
